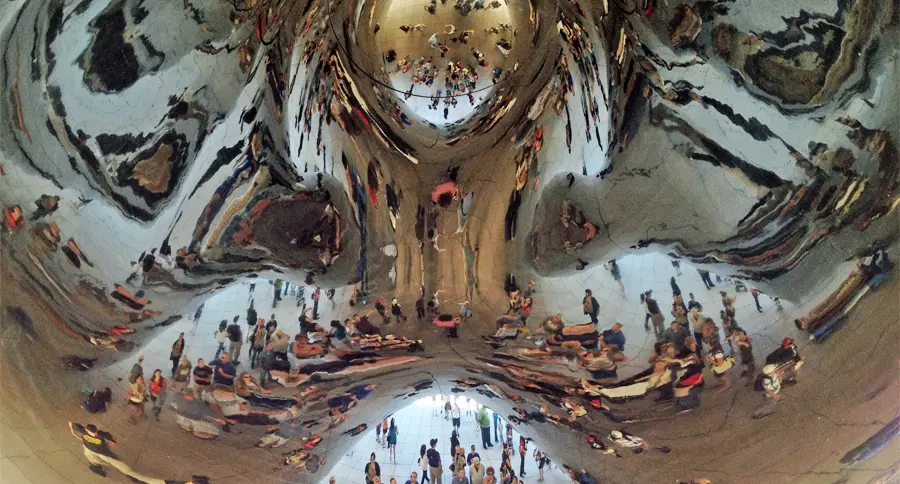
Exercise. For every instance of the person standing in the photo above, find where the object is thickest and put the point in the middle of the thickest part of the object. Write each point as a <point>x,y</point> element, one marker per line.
<point>454,415</point>
<point>498,427</point>
<point>136,397</point>
<point>392,441</point>
<point>277,285</point>
<point>460,476</point>
<point>221,338</point>
<point>177,351</point>
<point>542,461</point>
<point>693,303</point>
<point>258,342</point>
<point>656,316</point>
<point>235,341</point>
<point>471,455</point>
<point>591,306</point>
<point>372,470</point>
<point>447,408</point>
<point>202,378</point>
<point>434,462</point>
<point>136,370</point>
<point>224,374</point>
<point>182,375</point>
<point>97,446</point>
<point>523,447</point>
<point>315,296</point>
<point>476,471</point>
<point>484,422</point>
<point>413,478</point>
<point>157,392</point>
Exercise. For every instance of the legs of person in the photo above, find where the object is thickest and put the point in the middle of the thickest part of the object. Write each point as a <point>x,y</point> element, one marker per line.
<point>698,337</point>
<point>158,404</point>
<point>174,364</point>
<point>219,351</point>
<point>522,464</point>
<point>425,475</point>
<point>178,386</point>
<point>436,475</point>
<point>756,300</point>
<point>594,318</point>
<point>126,469</point>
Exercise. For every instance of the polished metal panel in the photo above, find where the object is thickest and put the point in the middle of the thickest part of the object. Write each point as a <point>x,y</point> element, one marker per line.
<point>156,154</point>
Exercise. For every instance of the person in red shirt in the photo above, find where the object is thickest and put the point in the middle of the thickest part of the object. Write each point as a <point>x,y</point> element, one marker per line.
<point>157,392</point>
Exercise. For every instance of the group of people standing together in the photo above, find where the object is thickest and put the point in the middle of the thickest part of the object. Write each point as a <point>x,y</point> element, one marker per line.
<point>464,468</point>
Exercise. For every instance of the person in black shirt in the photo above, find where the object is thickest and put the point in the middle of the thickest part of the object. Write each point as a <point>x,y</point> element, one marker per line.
<point>235,338</point>
<point>202,378</point>
<point>97,449</point>
<point>251,315</point>
<point>693,303</point>
<point>434,462</point>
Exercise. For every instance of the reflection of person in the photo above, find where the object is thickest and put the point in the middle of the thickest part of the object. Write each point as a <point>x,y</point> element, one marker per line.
<point>591,306</point>
<point>97,449</point>
<point>484,422</point>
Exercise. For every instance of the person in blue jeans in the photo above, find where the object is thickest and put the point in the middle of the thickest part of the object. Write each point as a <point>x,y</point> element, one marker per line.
<point>497,427</point>
<point>265,364</point>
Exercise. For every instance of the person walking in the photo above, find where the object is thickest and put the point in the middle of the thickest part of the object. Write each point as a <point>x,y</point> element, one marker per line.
<point>435,466</point>
<point>617,275</point>
<point>755,293</point>
<point>676,291</point>
<point>235,341</point>
<point>177,351</point>
<point>591,306</point>
<point>372,470</point>
<point>157,392</point>
<point>97,446</point>
<point>423,462</point>
<point>392,441</point>
<point>397,311</point>
<point>704,276</point>
<point>454,415</point>
<point>182,375</point>
<point>136,397</point>
<point>251,316</point>
<point>498,427</point>
<point>221,338</point>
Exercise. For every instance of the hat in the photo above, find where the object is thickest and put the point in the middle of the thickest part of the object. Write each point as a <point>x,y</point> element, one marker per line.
<point>615,434</point>
<point>787,341</point>
<point>769,369</point>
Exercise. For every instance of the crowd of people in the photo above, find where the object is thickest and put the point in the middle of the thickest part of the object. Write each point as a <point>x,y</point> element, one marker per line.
<point>462,467</point>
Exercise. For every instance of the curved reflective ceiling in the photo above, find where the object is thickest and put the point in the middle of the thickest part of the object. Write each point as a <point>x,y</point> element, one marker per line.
<point>155,155</point>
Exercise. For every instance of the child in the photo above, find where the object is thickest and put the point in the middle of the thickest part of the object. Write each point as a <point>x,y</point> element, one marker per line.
<point>378,433</point>
<point>384,430</point>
